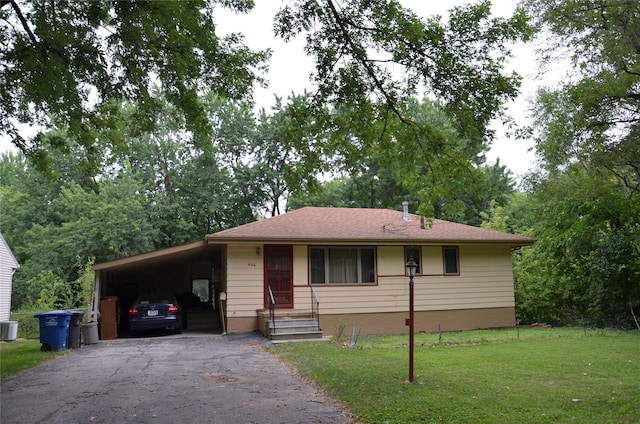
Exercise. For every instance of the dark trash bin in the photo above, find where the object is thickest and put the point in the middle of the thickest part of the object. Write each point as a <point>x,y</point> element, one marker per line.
<point>75,325</point>
<point>54,329</point>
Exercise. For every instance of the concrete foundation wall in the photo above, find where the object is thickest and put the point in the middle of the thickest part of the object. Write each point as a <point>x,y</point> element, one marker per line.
<point>425,321</point>
<point>394,322</point>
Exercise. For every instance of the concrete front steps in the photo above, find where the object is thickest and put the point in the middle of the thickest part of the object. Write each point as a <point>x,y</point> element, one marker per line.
<point>290,329</point>
<point>290,325</point>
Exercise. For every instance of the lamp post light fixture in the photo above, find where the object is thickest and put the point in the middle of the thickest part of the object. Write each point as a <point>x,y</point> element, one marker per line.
<point>411,270</point>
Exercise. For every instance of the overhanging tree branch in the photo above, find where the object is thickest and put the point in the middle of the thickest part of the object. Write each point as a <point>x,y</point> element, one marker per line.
<point>360,57</point>
<point>21,17</point>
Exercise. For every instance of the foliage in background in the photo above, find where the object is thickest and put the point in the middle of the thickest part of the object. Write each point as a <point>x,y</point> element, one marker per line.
<point>356,44</point>
<point>69,61</point>
<point>182,158</point>
<point>441,173</point>
<point>586,197</point>
<point>460,62</point>
<point>46,292</point>
<point>184,155</point>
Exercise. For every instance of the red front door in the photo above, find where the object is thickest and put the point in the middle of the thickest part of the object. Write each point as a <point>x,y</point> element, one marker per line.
<point>278,271</point>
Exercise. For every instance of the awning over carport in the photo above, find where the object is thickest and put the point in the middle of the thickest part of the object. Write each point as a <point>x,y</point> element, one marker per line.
<point>158,258</point>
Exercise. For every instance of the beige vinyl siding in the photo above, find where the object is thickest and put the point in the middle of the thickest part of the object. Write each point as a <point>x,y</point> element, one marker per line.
<point>485,281</point>
<point>301,290</point>
<point>300,266</point>
<point>390,260</point>
<point>245,283</point>
<point>432,262</point>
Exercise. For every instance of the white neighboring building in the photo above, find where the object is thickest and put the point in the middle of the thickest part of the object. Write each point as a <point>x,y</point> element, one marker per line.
<point>8,265</point>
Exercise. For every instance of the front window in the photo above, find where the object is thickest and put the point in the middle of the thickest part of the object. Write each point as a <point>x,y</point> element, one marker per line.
<point>413,252</point>
<point>342,265</point>
<point>451,266</point>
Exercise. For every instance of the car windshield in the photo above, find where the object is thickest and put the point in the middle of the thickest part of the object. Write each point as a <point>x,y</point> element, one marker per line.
<point>156,298</point>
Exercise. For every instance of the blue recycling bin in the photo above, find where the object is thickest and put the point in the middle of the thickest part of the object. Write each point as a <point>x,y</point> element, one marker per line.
<point>54,329</point>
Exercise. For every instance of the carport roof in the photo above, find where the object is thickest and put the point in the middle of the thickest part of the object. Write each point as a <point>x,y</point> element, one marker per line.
<point>195,249</point>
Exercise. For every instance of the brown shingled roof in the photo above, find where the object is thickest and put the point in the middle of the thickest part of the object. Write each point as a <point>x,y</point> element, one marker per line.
<point>340,225</point>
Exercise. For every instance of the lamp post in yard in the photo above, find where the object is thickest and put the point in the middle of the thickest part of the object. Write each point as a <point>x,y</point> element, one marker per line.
<point>411,269</point>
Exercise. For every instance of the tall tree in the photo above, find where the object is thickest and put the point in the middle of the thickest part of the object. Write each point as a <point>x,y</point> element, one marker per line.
<point>381,51</point>
<point>215,183</point>
<point>586,263</point>
<point>587,134</point>
<point>79,225</point>
<point>69,59</point>
<point>290,150</point>
<point>24,196</point>
<point>594,116</point>
<point>387,162</point>
<point>155,155</point>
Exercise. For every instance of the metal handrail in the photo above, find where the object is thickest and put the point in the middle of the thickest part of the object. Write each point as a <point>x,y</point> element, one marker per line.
<point>315,311</point>
<point>272,310</point>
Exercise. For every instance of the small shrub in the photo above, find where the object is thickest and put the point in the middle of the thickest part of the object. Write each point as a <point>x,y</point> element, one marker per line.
<point>337,335</point>
<point>28,325</point>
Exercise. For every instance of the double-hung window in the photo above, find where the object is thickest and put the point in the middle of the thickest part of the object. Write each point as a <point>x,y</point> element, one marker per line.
<point>414,253</point>
<point>451,263</point>
<point>342,265</point>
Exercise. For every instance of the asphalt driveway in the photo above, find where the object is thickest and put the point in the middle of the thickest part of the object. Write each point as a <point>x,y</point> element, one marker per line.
<point>186,378</point>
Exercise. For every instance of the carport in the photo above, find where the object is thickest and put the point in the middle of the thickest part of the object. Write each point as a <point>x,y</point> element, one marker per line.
<point>193,272</point>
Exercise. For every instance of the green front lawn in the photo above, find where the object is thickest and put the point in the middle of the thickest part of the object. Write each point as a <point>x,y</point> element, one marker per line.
<point>543,376</point>
<point>20,355</point>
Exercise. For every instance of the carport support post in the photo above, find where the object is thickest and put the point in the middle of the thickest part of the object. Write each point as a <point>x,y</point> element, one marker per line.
<point>95,297</point>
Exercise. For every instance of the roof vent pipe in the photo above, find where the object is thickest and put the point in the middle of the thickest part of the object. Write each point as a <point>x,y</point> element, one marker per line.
<point>405,211</point>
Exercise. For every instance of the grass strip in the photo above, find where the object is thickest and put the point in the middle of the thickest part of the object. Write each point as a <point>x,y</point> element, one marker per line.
<point>20,355</point>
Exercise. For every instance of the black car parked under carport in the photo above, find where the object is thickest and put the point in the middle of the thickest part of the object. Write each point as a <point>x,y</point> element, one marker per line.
<point>155,311</point>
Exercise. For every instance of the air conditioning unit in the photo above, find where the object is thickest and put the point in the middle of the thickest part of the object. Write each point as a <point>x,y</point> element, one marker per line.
<point>8,330</point>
